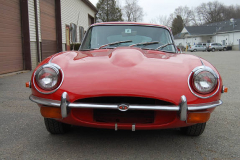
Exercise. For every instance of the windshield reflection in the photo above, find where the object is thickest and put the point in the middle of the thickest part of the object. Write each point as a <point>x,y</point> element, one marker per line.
<point>136,35</point>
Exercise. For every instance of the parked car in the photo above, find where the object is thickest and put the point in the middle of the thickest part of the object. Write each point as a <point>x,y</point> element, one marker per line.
<point>216,46</point>
<point>126,76</point>
<point>197,47</point>
<point>200,43</point>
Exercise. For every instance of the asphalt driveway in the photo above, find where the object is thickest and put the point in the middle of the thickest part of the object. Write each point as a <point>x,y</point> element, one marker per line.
<point>23,134</point>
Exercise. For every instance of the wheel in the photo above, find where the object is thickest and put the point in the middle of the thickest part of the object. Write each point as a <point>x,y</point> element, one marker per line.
<point>55,127</point>
<point>194,50</point>
<point>213,50</point>
<point>194,130</point>
<point>224,49</point>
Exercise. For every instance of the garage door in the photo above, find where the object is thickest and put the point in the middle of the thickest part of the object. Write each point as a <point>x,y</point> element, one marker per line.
<point>11,58</point>
<point>48,27</point>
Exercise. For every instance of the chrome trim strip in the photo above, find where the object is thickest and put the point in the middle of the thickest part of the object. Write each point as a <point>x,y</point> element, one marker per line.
<point>46,102</point>
<point>116,128</point>
<point>201,61</point>
<point>204,68</point>
<point>162,108</point>
<point>191,107</point>
<point>88,105</point>
<point>183,108</point>
<point>133,127</point>
<point>194,107</point>
<point>64,104</point>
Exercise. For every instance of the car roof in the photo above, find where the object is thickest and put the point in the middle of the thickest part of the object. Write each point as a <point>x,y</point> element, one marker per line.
<point>130,23</point>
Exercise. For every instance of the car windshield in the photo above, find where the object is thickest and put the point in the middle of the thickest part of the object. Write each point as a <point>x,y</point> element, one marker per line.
<point>112,36</point>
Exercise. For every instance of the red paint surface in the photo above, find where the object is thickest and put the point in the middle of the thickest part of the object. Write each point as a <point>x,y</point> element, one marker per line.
<point>126,71</point>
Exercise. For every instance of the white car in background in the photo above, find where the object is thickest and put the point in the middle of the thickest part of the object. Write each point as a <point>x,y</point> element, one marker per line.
<point>197,47</point>
<point>216,46</point>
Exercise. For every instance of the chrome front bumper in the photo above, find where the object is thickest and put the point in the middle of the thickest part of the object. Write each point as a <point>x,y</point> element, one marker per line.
<point>182,108</point>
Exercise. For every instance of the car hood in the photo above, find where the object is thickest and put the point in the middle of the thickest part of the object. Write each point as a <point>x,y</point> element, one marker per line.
<point>127,72</point>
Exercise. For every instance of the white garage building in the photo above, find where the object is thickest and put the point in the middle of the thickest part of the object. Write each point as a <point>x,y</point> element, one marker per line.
<point>32,30</point>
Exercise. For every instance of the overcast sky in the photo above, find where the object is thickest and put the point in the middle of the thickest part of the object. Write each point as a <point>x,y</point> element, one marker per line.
<point>154,8</point>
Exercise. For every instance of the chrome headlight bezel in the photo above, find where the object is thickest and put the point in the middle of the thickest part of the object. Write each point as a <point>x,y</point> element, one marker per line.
<point>59,82</point>
<point>203,94</point>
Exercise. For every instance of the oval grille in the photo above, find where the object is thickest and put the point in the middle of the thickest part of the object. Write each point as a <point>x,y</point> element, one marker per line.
<point>124,100</point>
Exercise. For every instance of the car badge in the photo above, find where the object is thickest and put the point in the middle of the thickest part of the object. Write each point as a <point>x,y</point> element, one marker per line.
<point>123,107</point>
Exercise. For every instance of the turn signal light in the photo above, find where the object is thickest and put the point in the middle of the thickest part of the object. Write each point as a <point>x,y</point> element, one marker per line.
<point>28,84</point>
<point>201,117</point>
<point>225,90</point>
<point>51,112</point>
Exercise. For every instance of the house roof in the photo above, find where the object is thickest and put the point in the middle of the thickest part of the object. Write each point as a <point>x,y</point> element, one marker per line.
<point>87,2</point>
<point>225,26</point>
<point>213,28</point>
<point>201,30</point>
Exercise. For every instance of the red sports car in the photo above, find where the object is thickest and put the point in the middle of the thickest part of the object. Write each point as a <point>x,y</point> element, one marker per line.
<point>126,76</point>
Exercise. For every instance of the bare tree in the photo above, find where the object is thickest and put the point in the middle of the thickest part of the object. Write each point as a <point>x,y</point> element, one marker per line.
<point>211,12</point>
<point>232,11</point>
<point>204,13</point>
<point>163,20</point>
<point>196,20</point>
<point>132,11</point>
<point>186,14</point>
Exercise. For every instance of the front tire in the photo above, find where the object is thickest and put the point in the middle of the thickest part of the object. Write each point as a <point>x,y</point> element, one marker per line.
<point>194,130</point>
<point>224,49</point>
<point>55,127</point>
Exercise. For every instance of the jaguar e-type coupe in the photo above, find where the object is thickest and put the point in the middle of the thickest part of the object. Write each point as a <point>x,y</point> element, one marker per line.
<point>126,76</point>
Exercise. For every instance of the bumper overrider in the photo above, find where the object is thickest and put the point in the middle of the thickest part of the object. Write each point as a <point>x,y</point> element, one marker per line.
<point>182,108</point>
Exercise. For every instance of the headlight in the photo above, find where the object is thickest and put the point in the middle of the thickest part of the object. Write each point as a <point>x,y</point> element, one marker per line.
<point>204,82</point>
<point>48,78</point>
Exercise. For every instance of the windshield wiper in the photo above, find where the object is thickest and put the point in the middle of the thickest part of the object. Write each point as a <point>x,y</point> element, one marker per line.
<point>145,43</point>
<point>109,44</point>
<point>162,46</point>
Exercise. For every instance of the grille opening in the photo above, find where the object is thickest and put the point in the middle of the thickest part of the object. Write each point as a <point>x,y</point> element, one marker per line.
<point>116,116</point>
<point>124,100</point>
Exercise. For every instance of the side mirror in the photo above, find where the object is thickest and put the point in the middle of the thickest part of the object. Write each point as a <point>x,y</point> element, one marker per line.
<point>73,32</point>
